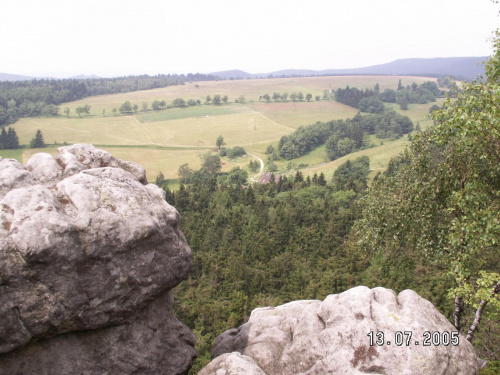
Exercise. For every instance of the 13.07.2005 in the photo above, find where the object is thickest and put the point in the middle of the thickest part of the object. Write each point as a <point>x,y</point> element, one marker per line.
<point>405,338</point>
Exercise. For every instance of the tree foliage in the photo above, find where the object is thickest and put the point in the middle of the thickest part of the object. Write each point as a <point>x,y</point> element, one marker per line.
<point>441,198</point>
<point>8,139</point>
<point>342,137</point>
<point>371,105</point>
<point>259,246</point>
<point>219,141</point>
<point>126,107</point>
<point>37,141</point>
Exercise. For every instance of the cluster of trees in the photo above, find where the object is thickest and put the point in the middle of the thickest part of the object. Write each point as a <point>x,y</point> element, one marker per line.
<point>128,108</point>
<point>157,105</point>
<point>180,102</point>
<point>342,137</point>
<point>217,99</point>
<point>422,94</point>
<point>371,104</point>
<point>8,139</point>
<point>41,97</point>
<point>352,96</point>
<point>233,152</point>
<point>372,100</point>
<point>85,109</point>
<point>254,165</point>
<point>305,139</point>
<point>294,96</point>
<point>387,125</point>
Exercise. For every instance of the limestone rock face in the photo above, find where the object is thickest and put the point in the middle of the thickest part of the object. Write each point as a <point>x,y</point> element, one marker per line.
<point>331,337</point>
<point>86,244</point>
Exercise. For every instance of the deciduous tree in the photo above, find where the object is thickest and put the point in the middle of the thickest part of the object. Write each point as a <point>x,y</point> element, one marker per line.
<point>219,141</point>
<point>126,107</point>
<point>442,197</point>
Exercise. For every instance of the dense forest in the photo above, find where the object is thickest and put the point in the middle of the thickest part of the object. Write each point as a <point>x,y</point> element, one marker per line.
<point>294,238</point>
<point>263,244</point>
<point>41,97</point>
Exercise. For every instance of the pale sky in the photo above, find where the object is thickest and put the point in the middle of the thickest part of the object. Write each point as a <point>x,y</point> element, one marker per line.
<point>63,38</point>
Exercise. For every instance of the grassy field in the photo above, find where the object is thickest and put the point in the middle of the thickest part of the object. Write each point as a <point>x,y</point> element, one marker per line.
<point>196,111</point>
<point>12,154</point>
<point>304,113</point>
<point>163,140</point>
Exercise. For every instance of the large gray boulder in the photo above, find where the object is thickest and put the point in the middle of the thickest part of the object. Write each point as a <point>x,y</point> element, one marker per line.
<point>332,337</point>
<point>151,341</point>
<point>86,244</point>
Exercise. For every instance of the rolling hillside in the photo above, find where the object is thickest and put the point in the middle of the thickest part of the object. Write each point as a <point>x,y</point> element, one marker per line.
<point>164,140</point>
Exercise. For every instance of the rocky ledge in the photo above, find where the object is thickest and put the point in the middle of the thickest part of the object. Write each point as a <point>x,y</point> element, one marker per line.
<point>333,337</point>
<point>88,254</point>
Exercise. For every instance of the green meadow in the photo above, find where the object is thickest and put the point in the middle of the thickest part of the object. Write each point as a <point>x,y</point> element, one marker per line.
<point>164,140</point>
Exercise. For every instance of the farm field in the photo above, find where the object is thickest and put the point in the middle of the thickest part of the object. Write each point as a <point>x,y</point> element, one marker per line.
<point>252,89</point>
<point>295,114</point>
<point>164,140</point>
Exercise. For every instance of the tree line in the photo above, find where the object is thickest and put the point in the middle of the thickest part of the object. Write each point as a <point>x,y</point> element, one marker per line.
<point>294,96</point>
<point>342,137</point>
<point>40,97</point>
<point>157,105</point>
<point>372,100</point>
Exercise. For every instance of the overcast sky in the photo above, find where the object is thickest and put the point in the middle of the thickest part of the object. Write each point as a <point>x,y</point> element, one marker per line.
<point>62,38</point>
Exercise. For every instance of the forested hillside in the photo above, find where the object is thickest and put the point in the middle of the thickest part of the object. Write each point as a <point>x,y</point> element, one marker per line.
<point>263,245</point>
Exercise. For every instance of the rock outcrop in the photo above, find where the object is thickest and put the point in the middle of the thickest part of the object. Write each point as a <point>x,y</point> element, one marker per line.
<point>88,254</point>
<point>332,337</point>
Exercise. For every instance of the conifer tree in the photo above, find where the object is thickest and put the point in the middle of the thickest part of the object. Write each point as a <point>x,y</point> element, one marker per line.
<point>3,139</point>
<point>321,180</point>
<point>12,139</point>
<point>37,141</point>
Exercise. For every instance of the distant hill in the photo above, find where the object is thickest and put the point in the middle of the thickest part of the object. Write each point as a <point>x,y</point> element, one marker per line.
<point>13,77</point>
<point>83,76</point>
<point>461,68</point>
<point>466,68</point>
<point>233,74</point>
<point>17,77</point>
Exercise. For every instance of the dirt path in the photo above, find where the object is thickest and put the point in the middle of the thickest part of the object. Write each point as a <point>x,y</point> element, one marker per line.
<point>256,177</point>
